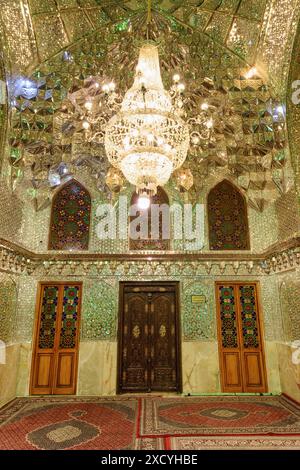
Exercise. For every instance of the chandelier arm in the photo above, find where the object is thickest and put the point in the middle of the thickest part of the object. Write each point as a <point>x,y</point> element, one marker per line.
<point>149,17</point>
<point>98,134</point>
<point>149,14</point>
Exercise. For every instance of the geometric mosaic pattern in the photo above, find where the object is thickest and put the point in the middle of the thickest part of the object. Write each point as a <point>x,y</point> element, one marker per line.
<point>100,307</point>
<point>8,299</point>
<point>70,218</point>
<point>289,291</point>
<point>99,311</point>
<point>198,319</point>
<point>224,20</point>
<point>293,108</point>
<point>214,42</point>
<point>227,215</point>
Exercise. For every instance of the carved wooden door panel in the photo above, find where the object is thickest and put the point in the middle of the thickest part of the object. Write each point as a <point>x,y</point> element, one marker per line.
<point>163,342</point>
<point>240,338</point>
<point>55,354</point>
<point>148,338</point>
<point>135,342</point>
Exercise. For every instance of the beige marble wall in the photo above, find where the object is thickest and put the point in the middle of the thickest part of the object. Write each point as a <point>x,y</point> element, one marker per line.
<point>289,372</point>
<point>272,367</point>
<point>97,368</point>
<point>8,374</point>
<point>24,369</point>
<point>200,367</point>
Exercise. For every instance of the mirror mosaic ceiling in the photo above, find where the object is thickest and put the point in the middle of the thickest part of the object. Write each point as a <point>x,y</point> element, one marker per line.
<point>56,45</point>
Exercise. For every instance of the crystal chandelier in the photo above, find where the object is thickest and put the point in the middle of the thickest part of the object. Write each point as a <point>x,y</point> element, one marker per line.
<point>147,139</point>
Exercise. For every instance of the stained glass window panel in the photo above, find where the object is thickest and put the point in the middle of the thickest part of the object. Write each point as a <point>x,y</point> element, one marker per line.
<point>249,316</point>
<point>228,317</point>
<point>48,317</point>
<point>69,317</point>
<point>70,219</point>
<point>227,218</point>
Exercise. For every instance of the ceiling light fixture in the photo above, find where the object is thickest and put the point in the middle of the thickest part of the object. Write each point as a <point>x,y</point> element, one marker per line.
<point>147,140</point>
<point>143,202</point>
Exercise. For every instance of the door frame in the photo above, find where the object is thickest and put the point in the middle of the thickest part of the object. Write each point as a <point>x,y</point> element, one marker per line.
<point>176,285</point>
<point>38,304</point>
<point>261,328</point>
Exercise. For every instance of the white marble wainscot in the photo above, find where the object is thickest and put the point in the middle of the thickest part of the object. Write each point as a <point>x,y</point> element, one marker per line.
<point>24,370</point>
<point>97,368</point>
<point>8,374</point>
<point>200,367</point>
<point>289,372</point>
<point>273,377</point>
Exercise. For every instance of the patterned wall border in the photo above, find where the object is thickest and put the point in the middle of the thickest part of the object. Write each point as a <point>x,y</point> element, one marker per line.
<point>280,257</point>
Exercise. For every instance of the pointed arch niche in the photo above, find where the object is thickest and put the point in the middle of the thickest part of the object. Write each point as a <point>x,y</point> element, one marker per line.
<point>70,218</point>
<point>227,218</point>
<point>160,243</point>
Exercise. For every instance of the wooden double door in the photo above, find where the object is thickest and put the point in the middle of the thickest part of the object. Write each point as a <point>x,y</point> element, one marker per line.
<point>55,353</point>
<point>240,337</point>
<point>149,343</point>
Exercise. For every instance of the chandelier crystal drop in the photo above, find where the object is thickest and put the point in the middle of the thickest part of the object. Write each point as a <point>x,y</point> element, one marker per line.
<point>147,139</point>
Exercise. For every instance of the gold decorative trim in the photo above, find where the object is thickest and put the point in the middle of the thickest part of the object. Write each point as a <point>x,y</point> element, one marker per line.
<point>278,257</point>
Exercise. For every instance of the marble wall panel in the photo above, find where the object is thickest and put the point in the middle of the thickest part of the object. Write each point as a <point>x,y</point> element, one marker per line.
<point>289,372</point>
<point>8,374</point>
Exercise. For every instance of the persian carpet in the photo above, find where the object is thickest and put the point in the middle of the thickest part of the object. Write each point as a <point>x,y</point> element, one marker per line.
<point>53,423</point>
<point>152,423</point>
<point>233,443</point>
<point>225,415</point>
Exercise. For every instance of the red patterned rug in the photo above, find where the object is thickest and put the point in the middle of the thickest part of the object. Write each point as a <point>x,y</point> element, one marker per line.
<point>219,416</point>
<point>233,443</point>
<point>69,423</point>
<point>58,423</point>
